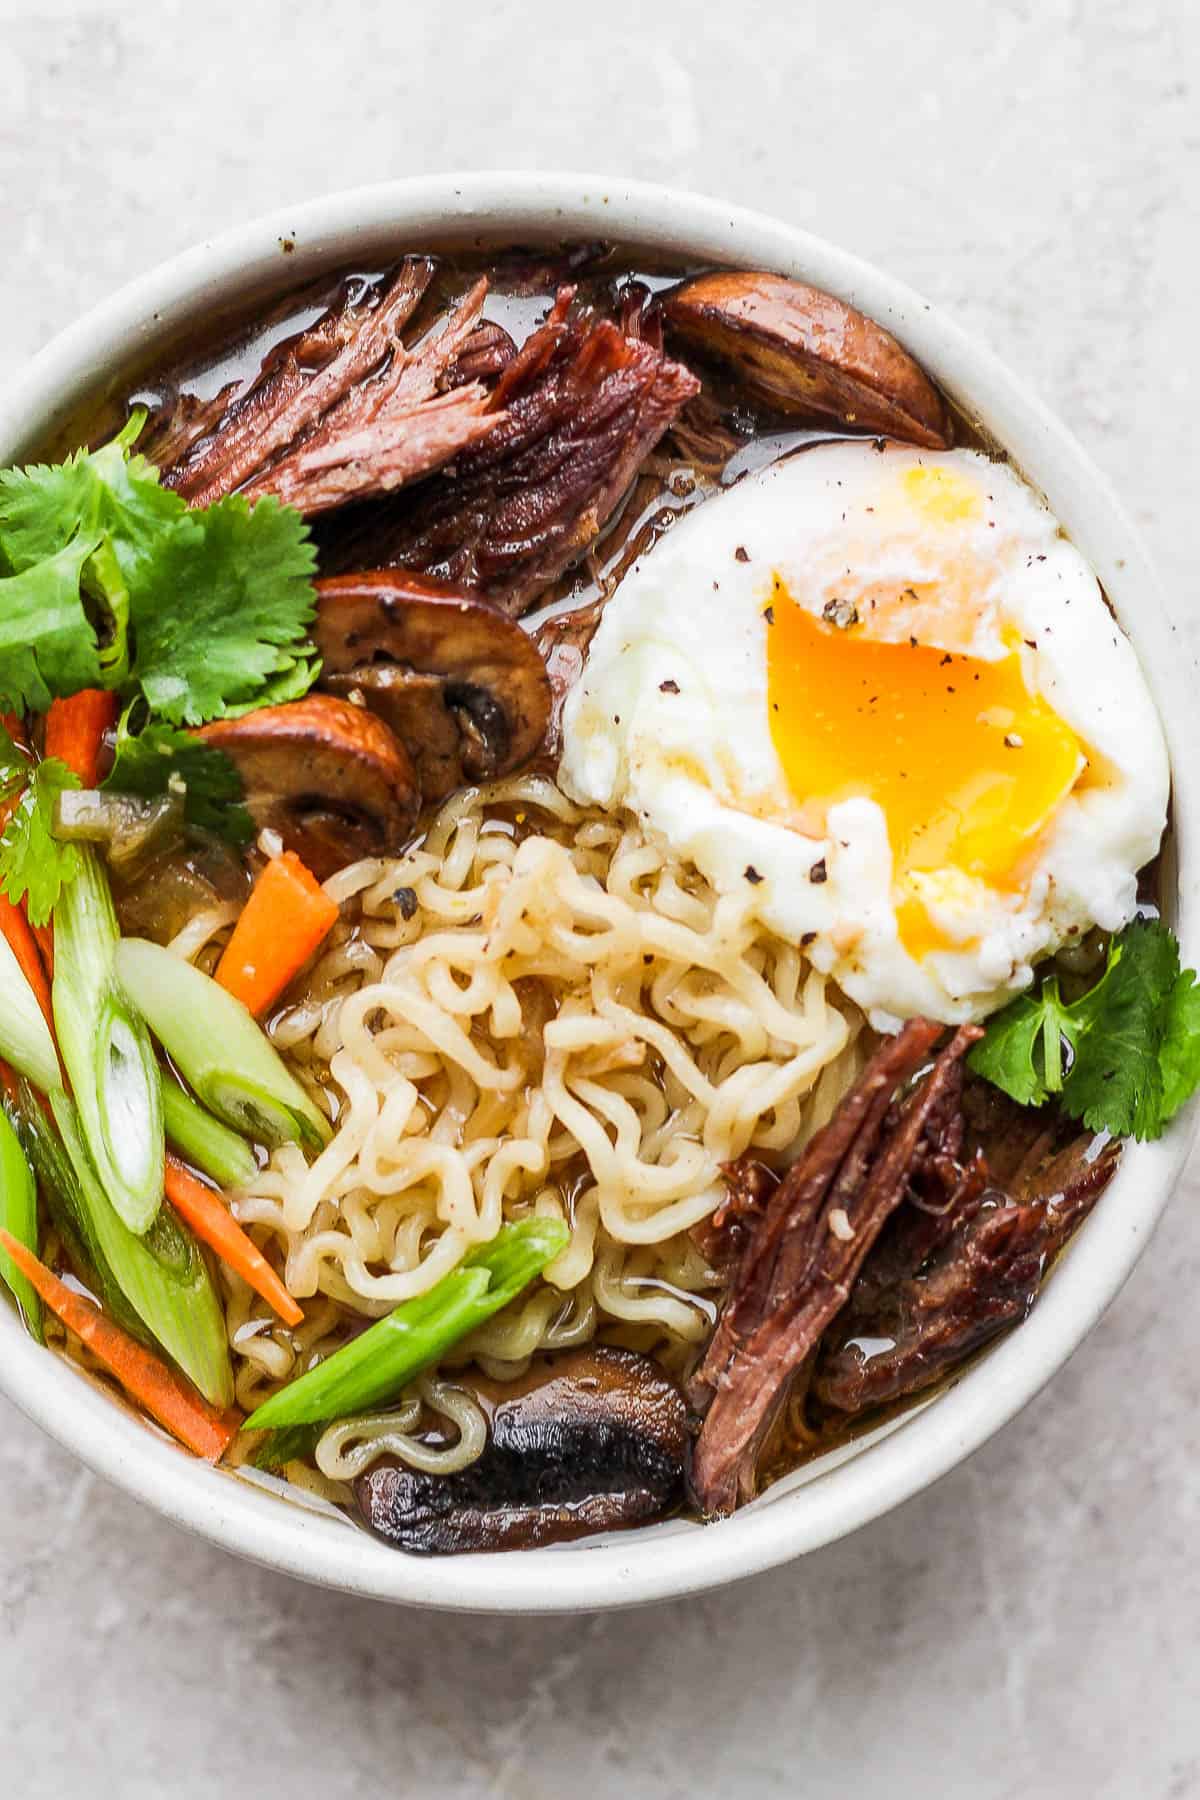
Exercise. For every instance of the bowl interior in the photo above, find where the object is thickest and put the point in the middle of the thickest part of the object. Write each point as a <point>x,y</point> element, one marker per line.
<point>256,1516</point>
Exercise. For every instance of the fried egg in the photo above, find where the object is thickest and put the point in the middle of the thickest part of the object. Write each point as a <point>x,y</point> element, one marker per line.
<point>877,690</point>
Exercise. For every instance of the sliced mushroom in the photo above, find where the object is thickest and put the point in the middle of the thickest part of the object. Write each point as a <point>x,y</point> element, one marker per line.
<point>413,707</point>
<point>587,1441</point>
<point>803,351</point>
<point>330,778</point>
<point>460,683</point>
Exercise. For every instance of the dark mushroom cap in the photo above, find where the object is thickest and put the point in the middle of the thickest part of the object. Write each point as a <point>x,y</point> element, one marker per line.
<point>803,351</point>
<point>460,683</point>
<point>329,777</point>
<point>587,1441</point>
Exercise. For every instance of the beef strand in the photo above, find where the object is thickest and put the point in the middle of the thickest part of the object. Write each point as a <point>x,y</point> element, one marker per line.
<point>484,356</point>
<point>911,1319</point>
<point>342,411</point>
<point>584,405</point>
<point>391,429</point>
<point>299,382</point>
<point>797,1202</point>
<point>181,420</point>
<point>944,1191</point>
<point>806,1250</point>
<point>723,1238</point>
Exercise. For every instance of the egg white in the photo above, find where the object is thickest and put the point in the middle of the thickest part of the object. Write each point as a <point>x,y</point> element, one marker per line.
<point>670,717</point>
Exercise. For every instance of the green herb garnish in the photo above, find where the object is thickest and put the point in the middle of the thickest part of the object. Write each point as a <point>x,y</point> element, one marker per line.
<point>48,645</point>
<point>108,580</point>
<point>106,1050</point>
<point>113,582</point>
<point>33,864</point>
<point>154,758</point>
<point>1123,1057</point>
<point>224,612</point>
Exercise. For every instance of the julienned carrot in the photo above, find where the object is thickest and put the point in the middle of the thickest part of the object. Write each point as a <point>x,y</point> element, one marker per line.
<point>156,1387</point>
<point>75,731</point>
<point>23,944</point>
<point>286,917</point>
<point>202,1208</point>
<point>45,939</point>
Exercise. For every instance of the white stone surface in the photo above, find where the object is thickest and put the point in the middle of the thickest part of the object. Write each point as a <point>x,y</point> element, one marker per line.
<point>1029,1627</point>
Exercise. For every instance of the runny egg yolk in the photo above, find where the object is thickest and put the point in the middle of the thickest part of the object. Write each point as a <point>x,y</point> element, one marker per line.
<point>966,765</point>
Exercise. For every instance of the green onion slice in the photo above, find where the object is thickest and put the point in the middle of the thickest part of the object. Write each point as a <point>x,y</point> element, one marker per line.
<point>373,1367</point>
<point>25,1040</point>
<point>219,1048</point>
<point>203,1141</point>
<point>161,1275</point>
<point>18,1215</point>
<point>106,1050</point>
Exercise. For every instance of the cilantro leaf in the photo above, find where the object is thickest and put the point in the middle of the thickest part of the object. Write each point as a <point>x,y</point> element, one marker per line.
<point>14,769</point>
<point>48,646</point>
<point>110,500</point>
<point>32,862</point>
<point>1116,1030</point>
<point>289,684</point>
<point>1132,1042</point>
<point>115,583</point>
<point>106,493</point>
<point>226,606</point>
<point>1181,1044</point>
<point>1006,1053</point>
<point>152,756</point>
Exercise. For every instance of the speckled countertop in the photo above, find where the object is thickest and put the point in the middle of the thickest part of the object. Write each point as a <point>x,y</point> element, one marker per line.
<point>1029,1627</point>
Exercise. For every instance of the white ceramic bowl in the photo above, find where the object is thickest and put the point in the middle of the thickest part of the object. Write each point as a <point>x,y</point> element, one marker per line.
<point>831,1498</point>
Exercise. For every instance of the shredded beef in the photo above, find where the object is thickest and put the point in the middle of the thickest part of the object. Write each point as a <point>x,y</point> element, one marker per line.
<point>584,405</point>
<point>723,1239</point>
<point>945,1189</point>
<point>391,429</point>
<point>342,411</point>
<point>485,356</point>
<point>300,381</point>
<point>181,421</point>
<point>927,1300</point>
<point>804,1252</point>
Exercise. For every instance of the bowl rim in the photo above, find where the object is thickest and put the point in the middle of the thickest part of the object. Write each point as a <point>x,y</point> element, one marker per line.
<point>793,1518</point>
